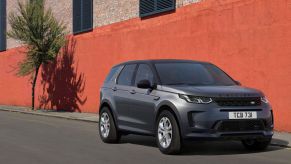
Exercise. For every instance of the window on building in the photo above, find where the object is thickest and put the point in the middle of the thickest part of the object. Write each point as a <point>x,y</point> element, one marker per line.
<point>151,7</point>
<point>2,25</point>
<point>82,16</point>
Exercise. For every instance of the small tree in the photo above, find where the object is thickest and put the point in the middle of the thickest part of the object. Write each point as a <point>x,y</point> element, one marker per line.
<point>36,28</point>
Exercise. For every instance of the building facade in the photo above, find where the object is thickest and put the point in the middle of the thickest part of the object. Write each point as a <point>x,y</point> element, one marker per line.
<point>97,13</point>
<point>250,39</point>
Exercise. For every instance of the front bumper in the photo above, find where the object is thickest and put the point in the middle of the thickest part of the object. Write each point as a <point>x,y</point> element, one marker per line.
<point>229,135</point>
<point>210,121</point>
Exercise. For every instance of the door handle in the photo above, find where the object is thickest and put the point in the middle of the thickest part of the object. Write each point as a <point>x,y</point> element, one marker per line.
<point>156,98</point>
<point>114,89</point>
<point>133,91</point>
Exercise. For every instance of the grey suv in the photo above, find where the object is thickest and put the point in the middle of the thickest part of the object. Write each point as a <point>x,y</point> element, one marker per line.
<point>178,100</point>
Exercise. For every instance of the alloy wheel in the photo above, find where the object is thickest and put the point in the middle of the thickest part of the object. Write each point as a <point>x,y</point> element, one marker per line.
<point>165,132</point>
<point>105,125</point>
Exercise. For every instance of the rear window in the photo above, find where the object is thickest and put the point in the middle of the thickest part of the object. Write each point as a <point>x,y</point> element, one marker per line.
<point>126,75</point>
<point>111,74</point>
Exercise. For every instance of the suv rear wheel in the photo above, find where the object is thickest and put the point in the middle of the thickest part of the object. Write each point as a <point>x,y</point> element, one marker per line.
<point>107,128</point>
<point>256,144</point>
<point>167,133</point>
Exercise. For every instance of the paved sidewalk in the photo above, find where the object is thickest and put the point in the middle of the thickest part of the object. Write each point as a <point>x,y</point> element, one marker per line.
<point>89,117</point>
<point>282,139</point>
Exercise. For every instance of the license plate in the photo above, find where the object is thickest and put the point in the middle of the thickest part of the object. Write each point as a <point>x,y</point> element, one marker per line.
<point>242,115</point>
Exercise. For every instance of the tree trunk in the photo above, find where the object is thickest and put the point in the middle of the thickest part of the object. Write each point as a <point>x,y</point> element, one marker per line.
<point>33,86</point>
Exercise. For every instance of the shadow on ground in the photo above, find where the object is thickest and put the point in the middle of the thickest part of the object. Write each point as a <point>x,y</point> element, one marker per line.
<point>203,147</point>
<point>63,85</point>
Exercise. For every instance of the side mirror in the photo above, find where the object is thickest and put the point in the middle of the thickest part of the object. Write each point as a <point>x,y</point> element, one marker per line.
<point>237,83</point>
<point>144,84</point>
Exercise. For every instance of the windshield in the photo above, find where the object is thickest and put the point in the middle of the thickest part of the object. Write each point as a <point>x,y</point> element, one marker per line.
<point>192,74</point>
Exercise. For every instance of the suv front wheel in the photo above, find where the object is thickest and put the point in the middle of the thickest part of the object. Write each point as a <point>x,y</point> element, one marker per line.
<point>107,128</point>
<point>167,133</point>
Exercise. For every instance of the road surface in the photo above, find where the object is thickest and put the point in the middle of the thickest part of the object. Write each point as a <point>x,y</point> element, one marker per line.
<point>45,140</point>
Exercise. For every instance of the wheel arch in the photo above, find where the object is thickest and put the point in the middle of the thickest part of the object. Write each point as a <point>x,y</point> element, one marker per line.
<point>171,108</point>
<point>107,104</point>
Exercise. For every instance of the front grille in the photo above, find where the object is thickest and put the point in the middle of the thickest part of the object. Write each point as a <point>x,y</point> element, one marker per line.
<point>240,125</point>
<point>238,101</point>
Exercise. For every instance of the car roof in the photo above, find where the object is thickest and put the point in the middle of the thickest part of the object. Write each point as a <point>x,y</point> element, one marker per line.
<point>153,61</point>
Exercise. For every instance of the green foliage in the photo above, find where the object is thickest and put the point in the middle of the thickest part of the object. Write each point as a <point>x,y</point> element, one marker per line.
<point>37,29</point>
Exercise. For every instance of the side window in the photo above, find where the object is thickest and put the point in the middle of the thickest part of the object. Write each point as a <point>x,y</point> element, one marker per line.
<point>111,74</point>
<point>144,72</point>
<point>126,75</point>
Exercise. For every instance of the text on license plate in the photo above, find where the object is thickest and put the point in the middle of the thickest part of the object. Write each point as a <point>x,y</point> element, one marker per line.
<point>242,115</point>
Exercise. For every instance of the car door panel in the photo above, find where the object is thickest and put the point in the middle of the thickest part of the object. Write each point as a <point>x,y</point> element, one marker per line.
<point>143,101</point>
<point>144,106</point>
<point>135,106</point>
<point>123,97</point>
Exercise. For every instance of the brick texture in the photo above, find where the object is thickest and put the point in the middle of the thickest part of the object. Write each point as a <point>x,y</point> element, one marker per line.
<point>12,6</point>
<point>105,12</point>
<point>112,11</point>
<point>62,9</point>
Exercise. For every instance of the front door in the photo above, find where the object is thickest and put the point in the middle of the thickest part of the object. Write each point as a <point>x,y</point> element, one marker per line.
<point>143,104</point>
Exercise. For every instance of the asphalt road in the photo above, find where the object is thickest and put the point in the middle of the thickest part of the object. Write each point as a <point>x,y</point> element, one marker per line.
<point>44,140</point>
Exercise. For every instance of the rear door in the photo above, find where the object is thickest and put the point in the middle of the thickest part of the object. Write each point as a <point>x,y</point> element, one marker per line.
<point>123,97</point>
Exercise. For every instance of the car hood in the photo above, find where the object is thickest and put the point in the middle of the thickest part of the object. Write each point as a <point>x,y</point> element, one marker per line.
<point>213,91</point>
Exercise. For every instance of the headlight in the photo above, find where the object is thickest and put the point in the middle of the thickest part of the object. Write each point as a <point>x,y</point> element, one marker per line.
<point>265,100</point>
<point>196,99</point>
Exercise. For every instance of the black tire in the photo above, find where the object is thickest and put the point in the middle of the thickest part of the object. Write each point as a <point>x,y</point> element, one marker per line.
<point>175,144</point>
<point>256,144</point>
<point>113,135</point>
